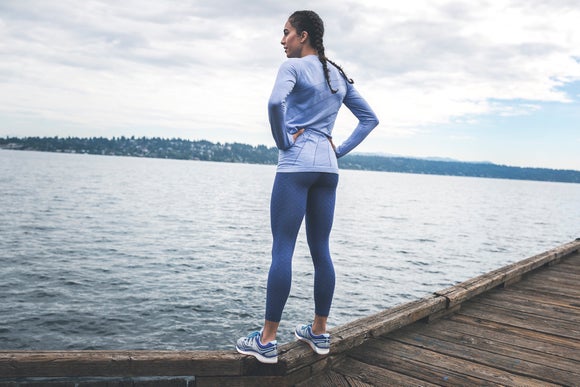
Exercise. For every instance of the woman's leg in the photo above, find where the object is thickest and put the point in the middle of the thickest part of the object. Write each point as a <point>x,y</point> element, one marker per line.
<point>319,219</point>
<point>287,208</point>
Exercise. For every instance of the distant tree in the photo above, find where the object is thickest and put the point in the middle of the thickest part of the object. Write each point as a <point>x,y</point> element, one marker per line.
<point>176,148</point>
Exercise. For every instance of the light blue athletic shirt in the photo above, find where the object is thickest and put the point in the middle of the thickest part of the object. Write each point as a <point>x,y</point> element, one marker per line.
<point>302,99</point>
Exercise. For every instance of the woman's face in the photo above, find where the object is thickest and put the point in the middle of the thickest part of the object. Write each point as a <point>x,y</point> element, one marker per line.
<point>292,42</point>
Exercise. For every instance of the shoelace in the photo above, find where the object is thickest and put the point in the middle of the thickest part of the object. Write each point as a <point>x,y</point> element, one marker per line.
<point>253,334</point>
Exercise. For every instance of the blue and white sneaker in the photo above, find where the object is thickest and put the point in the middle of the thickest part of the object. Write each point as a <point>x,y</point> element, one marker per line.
<point>319,343</point>
<point>251,345</point>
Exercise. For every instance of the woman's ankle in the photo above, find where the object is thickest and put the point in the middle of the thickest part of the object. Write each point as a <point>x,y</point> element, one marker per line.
<point>269,332</point>
<point>319,325</point>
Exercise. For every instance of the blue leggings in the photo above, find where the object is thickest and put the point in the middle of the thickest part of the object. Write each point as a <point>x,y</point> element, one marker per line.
<point>295,195</point>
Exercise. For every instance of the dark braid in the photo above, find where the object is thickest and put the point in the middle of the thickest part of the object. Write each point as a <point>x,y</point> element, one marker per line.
<point>310,22</point>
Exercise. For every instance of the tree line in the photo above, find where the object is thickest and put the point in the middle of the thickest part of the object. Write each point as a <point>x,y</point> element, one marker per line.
<point>181,149</point>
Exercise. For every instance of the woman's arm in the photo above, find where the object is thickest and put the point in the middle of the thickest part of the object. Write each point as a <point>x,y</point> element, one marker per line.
<point>367,121</point>
<point>284,84</point>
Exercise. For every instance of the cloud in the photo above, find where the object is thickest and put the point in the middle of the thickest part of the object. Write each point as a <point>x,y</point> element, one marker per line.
<point>205,69</point>
<point>446,60</point>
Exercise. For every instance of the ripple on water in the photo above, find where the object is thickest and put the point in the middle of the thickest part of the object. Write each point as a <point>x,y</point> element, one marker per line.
<point>124,253</point>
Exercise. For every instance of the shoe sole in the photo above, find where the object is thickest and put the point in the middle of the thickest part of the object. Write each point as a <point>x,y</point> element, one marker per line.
<point>261,359</point>
<point>320,351</point>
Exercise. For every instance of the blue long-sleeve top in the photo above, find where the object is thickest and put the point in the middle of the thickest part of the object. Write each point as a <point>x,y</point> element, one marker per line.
<point>301,99</point>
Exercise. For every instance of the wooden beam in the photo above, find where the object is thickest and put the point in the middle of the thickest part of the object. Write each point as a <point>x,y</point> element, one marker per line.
<point>475,286</point>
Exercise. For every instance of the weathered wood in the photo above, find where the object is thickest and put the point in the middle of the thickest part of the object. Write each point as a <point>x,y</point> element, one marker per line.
<point>328,379</point>
<point>372,375</point>
<point>507,336</point>
<point>102,382</point>
<point>523,320</point>
<point>545,288</point>
<point>563,302</point>
<point>544,344</point>
<point>240,381</point>
<point>471,349</point>
<point>506,356</point>
<point>513,280</point>
<point>533,308</point>
<point>558,280</point>
<point>443,313</point>
<point>435,367</point>
<point>300,362</point>
<point>559,271</point>
<point>361,330</point>
<point>565,343</point>
<point>473,287</point>
<point>555,288</point>
<point>118,363</point>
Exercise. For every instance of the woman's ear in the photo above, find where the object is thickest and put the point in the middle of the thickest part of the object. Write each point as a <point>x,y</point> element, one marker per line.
<point>303,37</point>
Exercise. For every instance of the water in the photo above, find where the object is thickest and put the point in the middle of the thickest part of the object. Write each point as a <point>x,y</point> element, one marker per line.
<point>102,252</point>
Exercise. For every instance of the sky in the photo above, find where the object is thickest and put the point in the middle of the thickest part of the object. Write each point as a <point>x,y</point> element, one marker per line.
<point>495,80</point>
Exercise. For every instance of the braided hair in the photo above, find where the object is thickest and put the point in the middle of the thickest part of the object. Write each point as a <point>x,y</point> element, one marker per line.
<point>310,22</point>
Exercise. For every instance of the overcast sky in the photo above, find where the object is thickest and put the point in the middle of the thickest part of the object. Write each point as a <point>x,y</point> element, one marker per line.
<point>492,80</point>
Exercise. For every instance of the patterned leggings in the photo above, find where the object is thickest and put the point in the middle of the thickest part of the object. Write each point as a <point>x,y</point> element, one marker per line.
<point>295,195</point>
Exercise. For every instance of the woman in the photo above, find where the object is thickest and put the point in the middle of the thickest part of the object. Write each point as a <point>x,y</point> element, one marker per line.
<point>308,92</point>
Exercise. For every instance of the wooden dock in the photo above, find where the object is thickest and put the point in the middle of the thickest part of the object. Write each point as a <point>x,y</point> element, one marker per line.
<point>515,326</point>
<point>526,334</point>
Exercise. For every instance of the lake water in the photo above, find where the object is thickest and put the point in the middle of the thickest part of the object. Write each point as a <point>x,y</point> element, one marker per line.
<point>102,252</point>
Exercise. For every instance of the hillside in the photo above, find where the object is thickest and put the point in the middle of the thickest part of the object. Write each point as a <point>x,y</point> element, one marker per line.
<point>243,153</point>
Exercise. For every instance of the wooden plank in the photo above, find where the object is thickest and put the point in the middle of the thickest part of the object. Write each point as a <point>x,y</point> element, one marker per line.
<point>356,383</point>
<point>569,272</point>
<point>300,361</point>
<point>491,351</point>
<point>372,375</point>
<point>328,379</point>
<point>437,368</point>
<point>569,264</point>
<point>511,336</point>
<point>566,343</point>
<point>245,381</point>
<point>415,367</point>
<point>552,278</point>
<point>546,299</point>
<point>54,383</point>
<point>475,286</point>
<point>119,363</point>
<point>573,257</point>
<point>529,307</point>
<point>542,287</point>
<point>523,320</point>
<point>542,302</point>
<point>561,273</point>
<point>570,288</point>
<point>470,348</point>
<point>354,334</point>
<point>443,313</point>
<point>99,382</point>
<point>552,275</point>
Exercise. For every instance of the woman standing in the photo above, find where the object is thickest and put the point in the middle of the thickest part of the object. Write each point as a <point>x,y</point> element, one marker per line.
<point>307,95</point>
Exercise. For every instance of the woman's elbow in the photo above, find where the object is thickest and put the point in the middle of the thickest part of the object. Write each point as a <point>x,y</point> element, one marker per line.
<point>372,122</point>
<point>275,104</point>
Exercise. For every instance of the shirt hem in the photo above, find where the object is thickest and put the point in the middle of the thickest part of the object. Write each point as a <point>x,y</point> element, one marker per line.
<point>302,169</point>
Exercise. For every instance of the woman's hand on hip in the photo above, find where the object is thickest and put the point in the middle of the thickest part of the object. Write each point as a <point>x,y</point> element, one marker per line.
<point>297,134</point>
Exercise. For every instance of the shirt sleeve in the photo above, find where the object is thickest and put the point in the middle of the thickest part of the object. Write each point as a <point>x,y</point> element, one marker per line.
<point>285,82</point>
<point>367,120</point>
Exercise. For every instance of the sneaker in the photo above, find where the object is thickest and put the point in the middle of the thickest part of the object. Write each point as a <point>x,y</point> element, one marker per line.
<point>319,343</point>
<point>251,345</point>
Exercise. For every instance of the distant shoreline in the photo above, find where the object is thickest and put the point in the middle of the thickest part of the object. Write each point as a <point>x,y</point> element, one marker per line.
<point>242,153</point>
